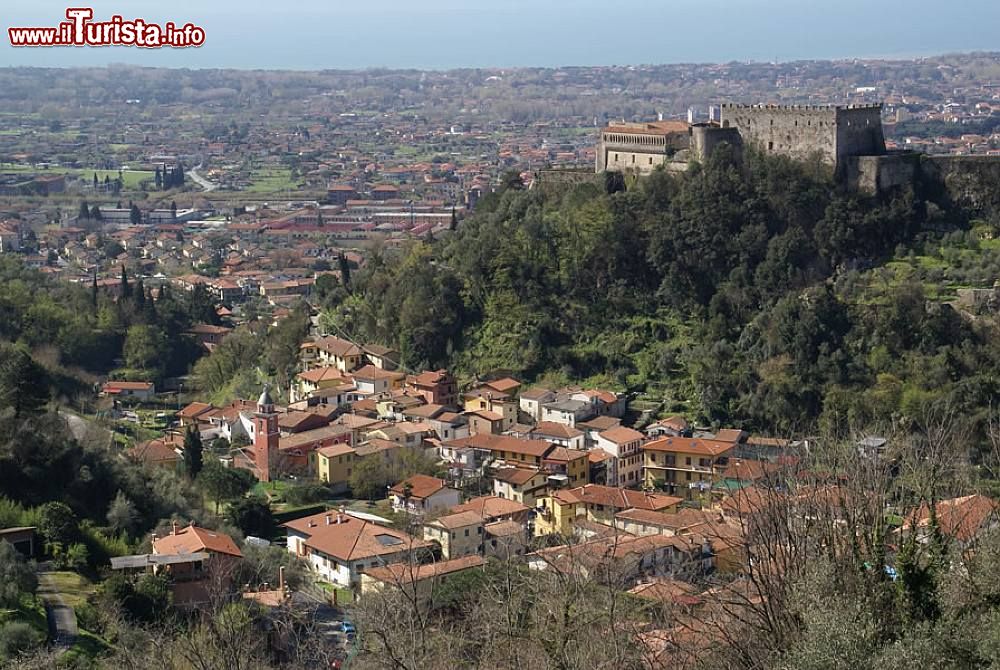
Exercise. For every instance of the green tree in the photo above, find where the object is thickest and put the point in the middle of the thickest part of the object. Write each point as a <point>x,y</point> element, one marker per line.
<point>84,213</point>
<point>58,524</point>
<point>17,576</point>
<point>134,215</point>
<point>24,385</point>
<point>192,452</point>
<point>95,213</point>
<point>369,479</point>
<point>122,515</point>
<point>145,348</point>
<point>222,484</point>
<point>253,516</point>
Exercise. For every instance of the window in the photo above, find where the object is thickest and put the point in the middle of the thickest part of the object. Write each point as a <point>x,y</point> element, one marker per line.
<point>650,160</point>
<point>467,532</point>
<point>770,146</point>
<point>687,476</point>
<point>687,460</point>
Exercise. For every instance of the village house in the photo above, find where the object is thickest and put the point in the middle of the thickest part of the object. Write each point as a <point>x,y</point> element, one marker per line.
<point>211,559</point>
<point>438,387</point>
<point>558,511</point>
<point>488,400</point>
<point>330,350</point>
<point>558,433</point>
<point>458,534</point>
<point>334,465</point>
<point>339,546</point>
<point>163,452</point>
<point>132,390</point>
<point>624,468</point>
<point>418,581</point>
<point>531,401</point>
<point>684,466</point>
<point>422,494</point>
<point>522,484</point>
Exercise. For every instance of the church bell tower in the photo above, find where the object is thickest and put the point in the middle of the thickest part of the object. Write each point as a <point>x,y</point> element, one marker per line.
<point>265,439</point>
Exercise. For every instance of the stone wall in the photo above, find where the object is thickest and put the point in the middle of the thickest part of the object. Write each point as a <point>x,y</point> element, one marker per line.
<point>799,131</point>
<point>706,137</point>
<point>877,174</point>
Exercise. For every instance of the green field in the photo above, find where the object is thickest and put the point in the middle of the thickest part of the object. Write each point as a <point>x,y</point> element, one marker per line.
<point>272,180</point>
<point>132,177</point>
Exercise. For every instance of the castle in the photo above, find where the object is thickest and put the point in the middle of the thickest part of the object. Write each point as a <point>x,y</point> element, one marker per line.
<point>837,135</point>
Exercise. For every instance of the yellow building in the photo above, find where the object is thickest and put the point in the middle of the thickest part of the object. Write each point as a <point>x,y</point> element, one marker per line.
<point>684,466</point>
<point>458,534</point>
<point>520,484</point>
<point>488,400</point>
<point>334,464</point>
<point>333,351</point>
<point>559,511</point>
<point>324,378</point>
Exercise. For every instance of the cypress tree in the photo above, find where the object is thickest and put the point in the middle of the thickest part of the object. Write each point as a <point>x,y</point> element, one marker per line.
<point>345,271</point>
<point>84,210</point>
<point>193,449</point>
<point>126,288</point>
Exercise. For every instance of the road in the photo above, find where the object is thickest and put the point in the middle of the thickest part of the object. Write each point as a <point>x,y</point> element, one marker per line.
<point>201,181</point>
<point>62,618</point>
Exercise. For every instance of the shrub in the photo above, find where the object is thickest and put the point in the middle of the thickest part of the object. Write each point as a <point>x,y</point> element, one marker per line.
<point>17,638</point>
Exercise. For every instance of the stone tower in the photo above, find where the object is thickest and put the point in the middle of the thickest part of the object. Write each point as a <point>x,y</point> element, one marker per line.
<point>265,440</point>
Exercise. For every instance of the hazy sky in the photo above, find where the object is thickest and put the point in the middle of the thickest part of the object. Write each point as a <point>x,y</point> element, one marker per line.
<point>317,34</point>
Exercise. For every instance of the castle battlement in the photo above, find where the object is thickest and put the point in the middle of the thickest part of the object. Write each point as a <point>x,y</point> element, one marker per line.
<point>733,106</point>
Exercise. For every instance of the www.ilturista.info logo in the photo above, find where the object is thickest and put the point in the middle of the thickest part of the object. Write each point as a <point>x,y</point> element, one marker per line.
<point>80,31</point>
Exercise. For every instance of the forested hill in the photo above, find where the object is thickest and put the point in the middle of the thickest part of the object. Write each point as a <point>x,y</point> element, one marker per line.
<point>741,293</point>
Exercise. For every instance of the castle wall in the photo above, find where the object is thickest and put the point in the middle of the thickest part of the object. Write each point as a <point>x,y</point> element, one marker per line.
<point>705,138</point>
<point>799,131</point>
<point>637,152</point>
<point>877,174</point>
<point>859,131</point>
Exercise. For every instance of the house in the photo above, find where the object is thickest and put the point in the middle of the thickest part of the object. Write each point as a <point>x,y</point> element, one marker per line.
<point>381,357</point>
<point>674,426</point>
<point>620,558</point>
<point>134,390</point>
<point>438,387</point>
<point>208,335</point>
<point>593,426</point>
<point>505,539</point>
<point>422,494</point>
<point>559,511</point>
<point>193,581</point>
<point>622,444</point>
<point>484,422</point>
<point>558,433</point>
<point>684,466</point>
<point>531,401</point>
<point>22,537</point>
<point>960,519</point>
<point>522,484</point>
<point>568,411</point>
<point>419,581</point>
<point>330,350</point>
<point>296,421</point>
<point>191,414</point>
<point>334,465</point>
<point>566,467</point>
<point>494,508</point>
<point>295,452</point>
<point>372,380</point>
<point>487,399</point>
<point>458,534</point>
<point>162,452</point>
<point>339,546</point>
<point>312,382</point>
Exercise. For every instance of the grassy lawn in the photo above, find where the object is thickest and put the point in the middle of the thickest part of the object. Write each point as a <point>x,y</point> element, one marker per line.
<point>73,587</point>
<point>343,595</point>
<point>132,178</point>
<point>272,180</point>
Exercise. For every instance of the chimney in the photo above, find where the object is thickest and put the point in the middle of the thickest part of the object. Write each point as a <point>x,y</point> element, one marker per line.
<point>328,520</point>
<point>153,538</point>
<point>281,580</point>
<point>173,527</point>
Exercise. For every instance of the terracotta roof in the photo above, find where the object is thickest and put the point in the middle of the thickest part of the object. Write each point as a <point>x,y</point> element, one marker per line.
<point>730,435</point>
<point>402,573</point>
<point>111,387</point>
<point>504,528</point>
<point>504,385</point>
<point>160,450</point>
<point>677,423</point>
<point>960,518</point>
<point>553,429</point>
<point>650,128</point>
<point>491,507</point>
<point>373,373</point>
<point>617,498</point>
<point>352,539</point>
<point>421,486</point>
<point>193,410</point>
<point>335,450</point>
<point>689,445</point>
<point>456,520</point>
<point>335,345</point>
<point>192,539</point>
<point>326,373</point>
<point>621,435</point>
<point>308,437</point>
<point>535,393</point>
<point>565,455</point>
<point>516,476</point>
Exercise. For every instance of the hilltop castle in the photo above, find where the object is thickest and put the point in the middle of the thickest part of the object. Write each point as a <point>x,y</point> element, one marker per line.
<point>837,135</point>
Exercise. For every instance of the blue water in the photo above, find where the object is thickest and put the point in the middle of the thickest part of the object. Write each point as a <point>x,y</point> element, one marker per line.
<point>315,34</point>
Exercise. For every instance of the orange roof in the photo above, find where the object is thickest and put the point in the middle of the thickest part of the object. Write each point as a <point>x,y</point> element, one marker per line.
<point>457,520</point>
<point>553,429</point>
<point>335,450</point>
<point>689,445</point>
<point>352,539</point>
<point>402,573</point>
<point>617,498</point>
<point>505,385</point>
<point>111,387</point>
<point>326,373</point>
<point>650,128</point>
<point>621,435</point>
<point>491,507</point>
<point>192,539</point>
<point>960,518</point>
<point>421,486</point>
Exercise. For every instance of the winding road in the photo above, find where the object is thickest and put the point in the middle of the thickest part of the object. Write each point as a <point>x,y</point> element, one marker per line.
<point>205,184</point>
